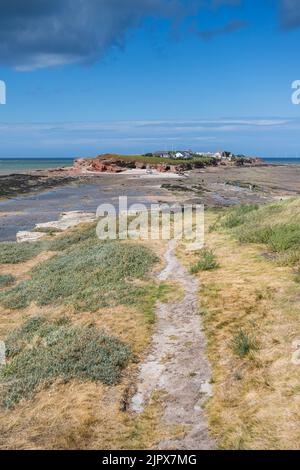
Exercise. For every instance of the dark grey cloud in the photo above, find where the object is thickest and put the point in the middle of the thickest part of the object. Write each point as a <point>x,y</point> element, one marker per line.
<point>43,33</point>
<point>290,13</point>
<point>231,27</point>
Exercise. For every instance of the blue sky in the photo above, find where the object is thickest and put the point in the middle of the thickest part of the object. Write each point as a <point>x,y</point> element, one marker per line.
<point>138,75</point>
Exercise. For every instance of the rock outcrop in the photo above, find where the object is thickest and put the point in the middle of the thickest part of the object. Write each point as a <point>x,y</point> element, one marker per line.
<point>109,163</point>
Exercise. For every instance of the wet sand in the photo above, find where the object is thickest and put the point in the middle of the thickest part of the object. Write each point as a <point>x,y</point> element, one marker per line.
<point>227,186</point>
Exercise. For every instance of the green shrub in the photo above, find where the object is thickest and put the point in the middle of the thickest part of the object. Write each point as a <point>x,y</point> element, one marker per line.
<point>279,238</point>
<point>242,344</point>
<point>88,276</point>
<point>284,237</point>
<point>42,351</point>
<point>253,234</point>
<point>207,262</point>
<point>6,280</point>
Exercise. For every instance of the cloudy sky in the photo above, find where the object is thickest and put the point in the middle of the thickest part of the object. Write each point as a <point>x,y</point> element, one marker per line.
<point>89,76</point>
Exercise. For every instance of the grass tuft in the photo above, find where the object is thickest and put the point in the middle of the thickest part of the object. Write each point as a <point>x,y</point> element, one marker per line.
<point>243,343</point>
<point>207,262</point>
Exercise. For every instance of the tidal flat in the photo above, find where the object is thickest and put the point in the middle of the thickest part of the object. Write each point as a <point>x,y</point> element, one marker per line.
<point>46,198</point>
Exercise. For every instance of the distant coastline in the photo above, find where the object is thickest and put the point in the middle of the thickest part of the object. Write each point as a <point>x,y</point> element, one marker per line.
<point>20,165</point>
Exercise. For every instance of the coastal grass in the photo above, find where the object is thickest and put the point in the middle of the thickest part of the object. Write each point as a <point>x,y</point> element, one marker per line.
<point>242,344</point>
<point>88,275</point>
<point>250,313</point>
<point>15,253</point>
<point>6,280</point>
<point>82,285</point>
<point>276,225</point>
<point>237,215</point>
<point>40,352</point>
<point>77,235</point>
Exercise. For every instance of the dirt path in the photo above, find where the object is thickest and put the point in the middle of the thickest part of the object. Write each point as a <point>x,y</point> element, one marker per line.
<point>177,364</point>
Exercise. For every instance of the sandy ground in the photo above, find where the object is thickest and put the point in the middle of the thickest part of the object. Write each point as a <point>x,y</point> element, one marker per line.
<point>139,173</point>
<point>176,364</point>
<point>153,175</point>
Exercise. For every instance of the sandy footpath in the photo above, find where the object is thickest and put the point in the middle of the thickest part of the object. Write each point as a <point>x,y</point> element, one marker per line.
<point>176,364</point>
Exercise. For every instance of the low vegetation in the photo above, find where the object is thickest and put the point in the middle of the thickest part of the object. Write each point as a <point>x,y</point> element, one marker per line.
<point>207,262</point>
<point>275,225</point>
<point>40,352</point>
<point>88,276</point>
<point>75,325</point>
<point>156,160</point>
<point>6,280</point>
<point>242,344</point>
<point>250,312</point>
<point>14,253</point>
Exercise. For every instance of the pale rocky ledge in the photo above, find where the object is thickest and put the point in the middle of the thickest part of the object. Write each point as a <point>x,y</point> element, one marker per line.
<point>66,220</point>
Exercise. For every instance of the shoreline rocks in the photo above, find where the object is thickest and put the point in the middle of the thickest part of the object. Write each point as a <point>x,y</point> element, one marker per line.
<point>18,184</point>
<point>66,220</point>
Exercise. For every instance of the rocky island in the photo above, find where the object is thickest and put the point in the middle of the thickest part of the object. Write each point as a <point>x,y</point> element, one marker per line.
<point>85,168</point>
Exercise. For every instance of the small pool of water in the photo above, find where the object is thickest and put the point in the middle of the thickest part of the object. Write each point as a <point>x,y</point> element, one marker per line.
<point>22,213</point>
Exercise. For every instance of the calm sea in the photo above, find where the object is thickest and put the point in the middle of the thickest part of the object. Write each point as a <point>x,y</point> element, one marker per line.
<point>285,161</point>
<point>17,165</point>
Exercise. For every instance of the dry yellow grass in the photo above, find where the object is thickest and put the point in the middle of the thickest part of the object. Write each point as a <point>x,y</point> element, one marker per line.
<point>78,415</point>
<point>20,271</point>
<point>256,401</point>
